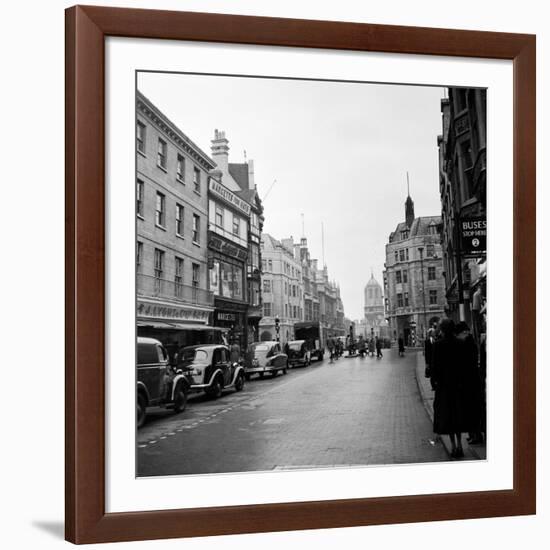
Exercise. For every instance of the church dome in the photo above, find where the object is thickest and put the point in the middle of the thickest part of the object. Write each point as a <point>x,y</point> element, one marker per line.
<point>373,292</point>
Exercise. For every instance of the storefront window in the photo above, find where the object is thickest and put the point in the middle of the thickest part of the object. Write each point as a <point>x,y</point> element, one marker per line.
<point>227,280</point>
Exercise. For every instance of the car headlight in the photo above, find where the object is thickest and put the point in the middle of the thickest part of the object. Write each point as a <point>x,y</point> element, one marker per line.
<point>196,372</point>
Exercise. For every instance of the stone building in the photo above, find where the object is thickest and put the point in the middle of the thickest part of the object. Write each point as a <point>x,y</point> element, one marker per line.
<point>414,286</point>
<point>282,289</point>
<point>234,232</point>
<point>462,185</point>
<point>375,321</point>
<point>172,217</point>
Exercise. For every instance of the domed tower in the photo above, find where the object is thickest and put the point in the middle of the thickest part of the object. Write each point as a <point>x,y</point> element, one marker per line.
<point>374,307</point>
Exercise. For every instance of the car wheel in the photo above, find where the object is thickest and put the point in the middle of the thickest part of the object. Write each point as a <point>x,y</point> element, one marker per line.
<point>215,390</point>
<point>180,398</point>
<point>261,374</point>
<point>141,410</point>
<point>274,373</point>
<point>239,383</point>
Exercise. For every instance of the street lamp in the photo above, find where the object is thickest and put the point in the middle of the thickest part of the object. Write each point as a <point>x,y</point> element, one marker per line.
<point>421,250</point>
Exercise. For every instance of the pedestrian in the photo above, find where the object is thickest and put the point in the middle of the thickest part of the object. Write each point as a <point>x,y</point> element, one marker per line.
<point>330,346</point>
<point>378,348</point>
<point>472,387</point>
<point>234,352</point>
<point>401,345</point>
<point>371,347</point>
<point>450,402</point>
<point>361,346</point>
<point>428,354</point>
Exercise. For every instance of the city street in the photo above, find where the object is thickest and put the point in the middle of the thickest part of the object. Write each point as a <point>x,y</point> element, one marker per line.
<point>351,412</point>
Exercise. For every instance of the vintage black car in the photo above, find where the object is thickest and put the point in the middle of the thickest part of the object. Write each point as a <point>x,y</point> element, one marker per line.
<point>208,368</point>
<point>265,357</point>
<point>298,353</point>
<point>158,384</point>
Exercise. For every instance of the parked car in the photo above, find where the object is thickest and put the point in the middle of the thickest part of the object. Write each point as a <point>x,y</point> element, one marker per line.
<point>209,369</point>
<point>265,357</point>
<point>298,353</point>
<point>158,384</point>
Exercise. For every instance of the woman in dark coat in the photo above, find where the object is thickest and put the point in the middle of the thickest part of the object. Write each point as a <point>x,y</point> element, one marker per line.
<point>450,403</point>
<point>471,388</point>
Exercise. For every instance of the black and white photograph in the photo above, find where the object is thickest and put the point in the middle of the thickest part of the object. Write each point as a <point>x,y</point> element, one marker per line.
<point>311,274</point>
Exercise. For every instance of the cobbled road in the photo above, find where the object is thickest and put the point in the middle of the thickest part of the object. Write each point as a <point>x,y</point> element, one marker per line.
<point>351,412</point>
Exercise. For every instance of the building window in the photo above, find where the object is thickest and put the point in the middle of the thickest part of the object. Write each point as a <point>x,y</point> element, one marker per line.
<point>433,297</point>
<point>160,213</point>
<point>197,179</point>
<point>196,275</point>
<point>406,299</point>
<point>407,254</point>
<point>140,137</point>
<point>286,310</point>
<point>139,256</point>
<point>179,220</point>
<point>178,278</point>
<point>161,154</point>
<point>402,255</point>
<point>405,276</point>
<point>399,300</point>
<point>264,265</point>
<point>294,291</point>
<point>219,216</point>
<point>139,193</point>
<point>397,278</point>
<point>267,309</point>
<point>432,229</point>
<point>180,171</point>
<point>431,273</point>
<point>267,285</point>
<point>236,225</point>
<point>404,234</point>
<point>430,250</point>
<point>159,269</point>
<point>270,265</point>
<point>396,256</point>
<point>196,228</point>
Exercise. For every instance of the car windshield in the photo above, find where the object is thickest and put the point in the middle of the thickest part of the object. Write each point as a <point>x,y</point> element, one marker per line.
<point>295,346</point>
<point>261,347</point>
<point>193,355</point>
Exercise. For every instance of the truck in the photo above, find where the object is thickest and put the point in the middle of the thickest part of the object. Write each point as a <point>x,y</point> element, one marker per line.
<point>314,335</point>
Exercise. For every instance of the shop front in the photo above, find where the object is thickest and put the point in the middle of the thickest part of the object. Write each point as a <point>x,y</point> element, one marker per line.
<point>175,325</point>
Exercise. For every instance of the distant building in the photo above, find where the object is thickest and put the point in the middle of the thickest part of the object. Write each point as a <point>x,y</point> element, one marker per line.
<point>282,289</point>
<point>322,298</point>
<point>414,285</point>
<point>462,184</point>
<point>172,216</point>
<point>375,322</point>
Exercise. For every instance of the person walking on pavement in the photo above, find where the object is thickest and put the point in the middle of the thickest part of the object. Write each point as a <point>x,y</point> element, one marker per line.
<point>472,387</point>
<point>330,346</point>
<point>450,408</point>
<point>401,346</point>
<point>234,352</point>
<point>361,346</point>
<point>371,347</point>
<point>378,348</point>
<point>428,354</point>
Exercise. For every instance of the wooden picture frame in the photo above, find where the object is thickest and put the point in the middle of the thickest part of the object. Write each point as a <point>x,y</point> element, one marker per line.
<point>86,30</point>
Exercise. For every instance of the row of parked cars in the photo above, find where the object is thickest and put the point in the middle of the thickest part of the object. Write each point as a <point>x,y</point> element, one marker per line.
<point>205,368</point>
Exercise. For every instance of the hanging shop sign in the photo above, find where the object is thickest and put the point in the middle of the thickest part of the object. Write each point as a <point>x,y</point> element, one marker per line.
<point>473,235</point>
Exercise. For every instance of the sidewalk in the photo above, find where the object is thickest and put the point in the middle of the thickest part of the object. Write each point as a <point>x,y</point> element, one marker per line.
<point>471,452</point>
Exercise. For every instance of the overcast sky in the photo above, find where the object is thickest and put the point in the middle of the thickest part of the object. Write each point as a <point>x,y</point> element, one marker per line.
<point>339,153</point>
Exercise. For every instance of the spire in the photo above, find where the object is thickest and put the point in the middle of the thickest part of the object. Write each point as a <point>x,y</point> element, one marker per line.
<point>409,206</point>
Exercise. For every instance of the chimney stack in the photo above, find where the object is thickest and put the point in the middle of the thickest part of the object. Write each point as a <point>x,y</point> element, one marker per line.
<point>220,150</point>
